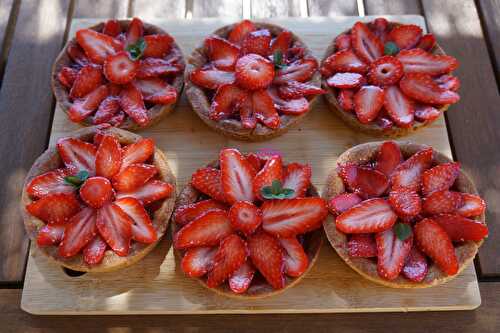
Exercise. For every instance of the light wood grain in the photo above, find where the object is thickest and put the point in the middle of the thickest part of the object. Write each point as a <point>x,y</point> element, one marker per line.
<point>276,8</point>
<point>101,8</point>
<point>332,8</point>
<point>147,9</point>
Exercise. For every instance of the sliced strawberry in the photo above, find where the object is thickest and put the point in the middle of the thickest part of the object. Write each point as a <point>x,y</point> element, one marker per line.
<point>211,78</point>
<point>346,99</point>
<point>108,158</point>
<point>405,203</point>
<point>50,234</point>
<point>345,80</point>
<point>79,231</point>
<point>87,80</point>
<point>255,161</point>
<point>117,119</point>
<point>290,217</point>
<point>282,42</point>
<point>77,155</point>
<point>405,36</point>
<point>115,227</point>
<point>294,89</point>
<point>208,181</point>
<point>391,253</point>
<point>440,177</point>
<point>112,28</point>
<point>420,61</point>
<point>292,107</point>
<point>373,215</point>
<point>108,108</point>
<point>114,89</point>
<point>97,46</point>
<point>156,90</point>
<point>426,113</point>
<point>240,31</point>
<point>236,176</point>
<point>152,67</point>
<point>119,68</point>
<point>362,246</point>
<point>448,82</point>
<point>472,205</point>
<point>232,253</point>
<point>271,171</point>
<point>384,122</point>
<point>342,42</point>
<point>343,61</point>
<point>257,42</point>
<point>198,261</point>
<point>399,107</point>
<point>427,42</point>
<point>367,103</point>
<point>96,191</point>
<point>366,45</point>
<point>137,152</point>
<point>301,70</point>
<point>206,230</point>
<point>440,202</point>
<point>385,71</point>
<point>409,173</point>
<point>67,76</point>
<point>416,266</point>
<point>134,176</point>
<point>433,240</point>
<point>247,116</point>
<point>131,101</point>
<point>82,108</point>
<point>226,101</point>
<point>460,228</point>
<point>422,88</point>
<point>241,279</point>
<point>135,31</point>
<point>294,53</point>
<point>222,53</point>
<point>379,26</point>
<point>365,181</point>
<point>152,191</point>
<point>186,213</point>
<point>264,109</point>
<point>245,217</point>
<point>143,230</point>
<point>94,251</point>
<point>51,182</point>
<point>296,260</point>
<point>254,72</point>
<point>388,158</point>
<point>76,54</point>
<point>157,46</point>
<point>298,178</point>
<point>342,202</point>
<point>267,255</point>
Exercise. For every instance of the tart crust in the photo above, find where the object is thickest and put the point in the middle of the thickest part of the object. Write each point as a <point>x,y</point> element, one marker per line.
<point>367,267</point>
<point>312,245</point>
<point>50,160</point>
<point>232,128</point>
<point>155,113</point>
<point>371,128</point>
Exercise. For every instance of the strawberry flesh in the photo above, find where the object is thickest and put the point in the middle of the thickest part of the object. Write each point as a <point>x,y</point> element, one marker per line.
<point>245,217</point>
<point>97,46</point>
<point>115,227</point>
<point>257,42</point>
<point>296,260</point>
<point>157,91</point>
<point>232,253</point>
<point>367,103</point>
<point>236,176</point>
<point>119,68</point>
<point>365,181</point>
<point>241,279</point>
<point>265,110</point>
<point>50,234</point>
<point>420,61</point>
<point>440,177</point>
<point>157,45</point>
<point>423,88</point>
<point>345,80</point>
<point>460,228</point>
<point>197,261</point>
<point>142,228</point>
<point>399,107</point>
<point>211,78</point>
<point>222,53</point>
<point>472,205</point>
<point>208,181</point>
<point>385,71</point>
<point>362,246</point>
<point>187,213</point>
<point>108,157</point>
<point>271,171</point>
<point>240,31</point>
<point>440,202</point>
<point>298,178</point>
<point>388,158</point>
<point>301,70</point>
<point>391,253</point>
<point>343,61</point>
<point>131,101</point>
<point>405,36</point>
<point>254,72</point>
<point>152,191</point>
<point>51,182</point>
<point>77,155</point>
<point>54,208</point>
<point>372,215</point>
<point>366,45</point>
<point>405,203</point>
<point>267,255</point>
<point>342,202</point>
<point>94,251</point>
<point>96,191</point>
<point>226,101</point>
<point>409,173</point>
<point>79,231</point>
<point>87,80</point>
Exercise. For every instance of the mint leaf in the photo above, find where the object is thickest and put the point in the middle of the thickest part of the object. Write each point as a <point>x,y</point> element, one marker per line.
<point>77,180</point>
<point>278,60</point>
<point>136,50</point>
<point>390,48</point>
<point>276,191</point>
<point>276,186</point>
<point>402,231</point>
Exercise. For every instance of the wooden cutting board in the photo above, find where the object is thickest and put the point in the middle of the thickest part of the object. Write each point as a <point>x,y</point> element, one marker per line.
<point>156,285</point>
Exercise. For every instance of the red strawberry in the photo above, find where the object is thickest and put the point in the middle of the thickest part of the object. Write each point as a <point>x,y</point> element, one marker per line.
<point>232,253</point>
<point>385,71</point>
<point>362,246</point>
<point>198,261</point>
<point>343,202</point>
<point>240,31</point>
<point>153,190</point>
<point>131,101</point>
<point>301,70</point>
<point>143,230</point>
<point>152,67</point>
<point>433,240</point>
<point>384,122</point>
<point>391,253</point>
<point>427,42</point>
<point>67,76</point>
<point>79,231</point>
<point>77,155</point>
<point>245,217</point>
<point>255,161</point>
<point>292,107</point>
<point>76,54</point>
<point>420,61</point>
<point>137,152</point>
<point>50,234</point>
<point>135,31</point>
<point>115,226</point>
<point>342,42</point>
<point>388,158</point>
<point>442,202</point>
<point>294,53</point>
<point>222,53</point>
<point>290,217</point>
<point>94,251</point>
<point>257,42</point>
<point>254,72</point>
<point>422,88</point>
<point>51,182</point>
<point>416,267</point>
<point>379,26</point>
<point>298,178</point>
<point>271,171</point>
<point>97,46</point>
<point>117,119</point>
<point>448,82</point>
<point>267,255</point>
<point>472,205</point>
<point>345,80</point>
<point>87,80</point>
<point>296,260</point>
<point>372,215</point>
<point>440,177</point>
<point>107,109</point>
<point>366,45</point>
<point>399,107</point>
<point>426,113</point>
<point>241,279</point>
<point>409,173</point>
<point>282,42</point>
<point>226,101</point>
<point>134,176</point>
<point>346,99</point>
<point>294,89</point>
<point>119,68</point>
<point>96,191</point>
<point>247,116</point>
<point>365,181</point>
<point>211,78</point>
<point>186,213</point>
<point>108,158</point>
<point>343,61</point>
<point>367,103</point>
<point>405,36</point>
<point>114,89</point>
<point>156,90</point>
<point>236,176</point>
<point>112,28</point>
<point>157,46</point>
<point>460,228</point>
<point>208,181</point>
<point>206,230</point>
<point>264,109</point>
<point>82,108</point>
<point>405,203</point>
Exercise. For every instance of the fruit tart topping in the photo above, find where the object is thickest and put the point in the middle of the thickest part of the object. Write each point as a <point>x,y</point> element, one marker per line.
<point>296,260</point>
<point>241,279</point>
<point>267,255</point>
<point>472,205</point>
<point>232,253</point>
<point>94,251</point>
<point>240,31</point>
<point>405,36</point>
<point>198,261</point>
<point>187,213</point>
<point>367,103</point>
<point>362,246</point>
<point>416,265</point>
<point>254,72</point>
<point>391,253</point>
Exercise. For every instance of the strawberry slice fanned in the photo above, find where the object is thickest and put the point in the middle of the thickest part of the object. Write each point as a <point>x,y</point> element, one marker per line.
<point>405,36</point>
<point>460,228</point>
<point>281,42</point>
<point>420,61</point>
<point>135,31</point>
<point>108,158</point>
<point>240,31</point>
<point>416,265</point>
<point>187,213</point>
<point>87,80</point>
<point>423,88</point>
<point>236,176</point>
<point>241,279</point>
<point>108,108</point>
<point>76,53</point>
<point>367,103</point>
<point>115,227</point>
<point>296,260</point>
<point>364,42</point>
<point>157,45</point>
<point>388,158</point>
<point>79,232</point>
<point>342,202</point>
<point>298,178</point>
<point>247,116</point>
<point>143,230</point>
<point>153,67</point>
<point>84,107</point>
<point>295,106</point>
<point>267,255</point>
<point>222,53</point>
<point>391,253</point>
<point>440,177</point>
<point>227,100</point>
<point>472,205</point>
<point>152,191</point>
<point>399,107</point>
<point>257,42</point>
<point>198,261</point>
<point>211,78</point>
<point>301,70</point>
<point>441,202</point>
<point>232,253</point>
<point>131,101</point>
<point>77,155</point>
<point>294,89</point>
<point>156,90</point>
<point>67,76</point>
<point>97,46</point>
<point>137,152</point>
<point>271,171</point>
<point>51,182</point>
<point>134,176</point>
<point>409,173</point>
<point>362,246</point>
<point>365,181</point>
<point>94,251</point>
<point>208,181</point>
<point>343,61</point>
<point>50,234</point>
<point>372,215</point>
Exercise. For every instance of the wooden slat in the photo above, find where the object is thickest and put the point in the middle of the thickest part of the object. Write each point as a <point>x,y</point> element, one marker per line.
<point>101,8</point>
<point>26,106</point>
<point>393,7</point>
<point>490,13</point>
<point>276,8</point>
<point>332,8</point>
<point>221,8</point>
<point>158,8</point>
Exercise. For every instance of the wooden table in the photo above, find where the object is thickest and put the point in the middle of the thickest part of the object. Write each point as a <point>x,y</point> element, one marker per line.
<point>32,33</point>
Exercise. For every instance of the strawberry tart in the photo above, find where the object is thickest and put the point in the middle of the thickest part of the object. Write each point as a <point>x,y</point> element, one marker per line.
<point>123,72</point>
<point>100,200</point>
<point>249,225</point>
<point>387,78</point>
<point>252,81</point>
<point>403,215</point>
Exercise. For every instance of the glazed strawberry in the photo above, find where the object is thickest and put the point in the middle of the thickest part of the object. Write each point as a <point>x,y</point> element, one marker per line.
<point>342,202</point>
<point>422,88</point>
<point>157,46</point>
<point>77,155</point>
<point>296,260</point>
<point>460,228</point>
<point>388,158</point>
<point>157,91</point>
<point>433,240</point>
<point>131,101</point>
<point>241,279</point>
<point>298,178</point>
<point>405,203</point>
<point>366,45</point>
<point>257,42</point>
<point>50,234</point>
<point>115,226</point>
<point>427,42</point>
<point>222,53</point>
<point>96,191</point>
<point>198,261</point>
<point>416,266</point>
<point>380,27</point>
<point>211,78</point>
<point>405,36</point>
<point>245,217</point>
<point>51,182</point>
<point>346,99</point>
<point>232,253</point>
<point>94,251</point>
<point>420,61</point>
<point>208,181</point>
<point>135,31</point>
<point>294,89</point>
<point>83,108</point>
<point>79,231</point>
<point>255,161</point>
<point>87,80</point>
<point>137,152</point>
<point>342,42</point>
<point>391,253</point>
<point>270,172</point>
<point>292,107</point>
<point>152,191</point>
<point>108,158</point>
<point>290,217</point>
<point>365,181</point>
<point>399,107</point>
<point>264,109</point>
<point>426,113</point>
<point>142,227</point>
<point>119,68</point>
<point>67,76</point>
<point>117,119</point>
<point>206,230</point>
<point>345,80</point>
<point>442,202</point>
<point>409,173</point>
<point>153,67</point>
<point>112,28</point>
<point>186,213</point>
<point>76,54</point>
<point>236,176</point>
<point>281,42</point>
<point>254,72</point>
<point>372,215</point>
<point>247,116</point>
<point>440,177</point>
<point>472,205</point>
<point>362,246</point>
<point>367,103</point>
<point>97,46</point>
<point>343,61</point>
<point>448,82</point>
<point>240,31</point>
<point>301,70</point>
<point>227,100</point>
<point>108,108</point>
<point>385,71</point>
<point>267,255</point>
